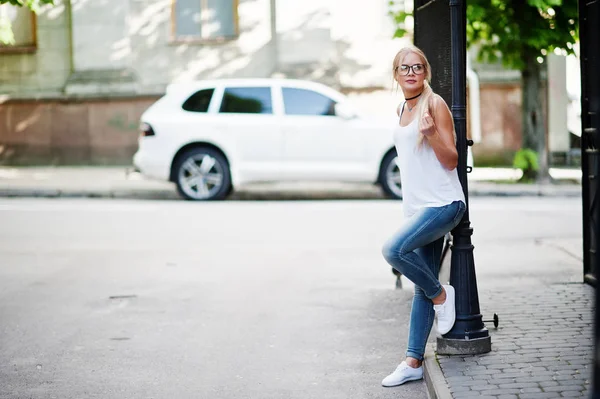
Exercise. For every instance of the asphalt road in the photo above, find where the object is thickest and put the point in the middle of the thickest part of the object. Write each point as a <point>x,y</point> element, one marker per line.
<point>144,299</point>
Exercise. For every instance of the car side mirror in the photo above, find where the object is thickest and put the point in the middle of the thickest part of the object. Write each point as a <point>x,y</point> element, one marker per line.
<point>344,111</point>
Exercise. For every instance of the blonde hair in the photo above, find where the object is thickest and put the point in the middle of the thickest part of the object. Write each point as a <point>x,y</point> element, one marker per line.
<point>423,104</point>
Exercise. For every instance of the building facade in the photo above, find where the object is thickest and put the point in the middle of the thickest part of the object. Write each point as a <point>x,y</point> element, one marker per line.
<point>80,73</point>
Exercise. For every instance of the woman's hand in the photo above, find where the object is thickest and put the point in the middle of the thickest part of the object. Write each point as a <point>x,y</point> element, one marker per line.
<point>427,127</point>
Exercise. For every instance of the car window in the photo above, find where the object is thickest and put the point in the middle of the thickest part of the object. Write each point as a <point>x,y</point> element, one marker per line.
<point>307,102</point>
<point>199,101</point>
<point>247,100</point>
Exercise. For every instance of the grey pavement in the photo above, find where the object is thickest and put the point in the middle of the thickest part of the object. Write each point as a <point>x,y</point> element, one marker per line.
<point>121,182</point>
<point>265,299</point>
<point>543,345</point>
<point>146,299</point>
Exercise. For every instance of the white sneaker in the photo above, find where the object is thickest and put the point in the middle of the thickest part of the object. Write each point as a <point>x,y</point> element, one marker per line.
<point>446,312</point>
<point>402,374</point>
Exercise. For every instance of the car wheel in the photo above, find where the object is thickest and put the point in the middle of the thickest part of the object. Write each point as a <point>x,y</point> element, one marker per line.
<point>202,174</point>
<point>389,176</point>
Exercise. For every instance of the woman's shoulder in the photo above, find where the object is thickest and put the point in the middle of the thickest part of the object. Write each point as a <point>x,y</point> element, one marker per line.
<point>436,100</point>
<point>437,103</point>
<point>399,107</point>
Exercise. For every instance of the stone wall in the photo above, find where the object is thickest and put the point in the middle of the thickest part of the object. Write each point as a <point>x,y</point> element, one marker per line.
<point>58,132</point>
<point>104,131</point>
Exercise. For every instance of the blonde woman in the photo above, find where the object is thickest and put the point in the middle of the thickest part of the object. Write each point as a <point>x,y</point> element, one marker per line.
<point>433,203</point>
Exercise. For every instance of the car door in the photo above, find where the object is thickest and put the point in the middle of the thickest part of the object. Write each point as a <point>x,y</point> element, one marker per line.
<point>246,114</point>
<point>318,144</point>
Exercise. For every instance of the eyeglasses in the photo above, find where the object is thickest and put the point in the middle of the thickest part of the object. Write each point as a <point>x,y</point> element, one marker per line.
<point>418,69</point>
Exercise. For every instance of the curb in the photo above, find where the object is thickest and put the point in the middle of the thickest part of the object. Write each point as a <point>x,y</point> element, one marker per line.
<point>565,193</point>
<point>437,388</point>
<point>254,195</point>
<point>116,194</point>
<point>173,195</point>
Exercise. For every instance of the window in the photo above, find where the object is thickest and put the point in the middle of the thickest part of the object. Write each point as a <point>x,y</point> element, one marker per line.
<point>22,21</point>
<point>247,100</point>
<point>307,102</point>
<point>199,101</point>
<point>204,19</point>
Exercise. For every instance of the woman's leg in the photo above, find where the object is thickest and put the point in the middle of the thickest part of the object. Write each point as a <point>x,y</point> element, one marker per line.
<point>424,227</point>
<point>421,321</point>
<point>415,251</point>
<point>422,313</point>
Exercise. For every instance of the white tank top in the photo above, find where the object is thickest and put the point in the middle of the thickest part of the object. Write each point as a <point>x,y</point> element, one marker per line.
<point>425,182</point>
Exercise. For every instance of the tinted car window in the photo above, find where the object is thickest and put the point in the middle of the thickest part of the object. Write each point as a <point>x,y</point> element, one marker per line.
<point>307,102</point>
<point>199,101</point>
<point>247,100</point>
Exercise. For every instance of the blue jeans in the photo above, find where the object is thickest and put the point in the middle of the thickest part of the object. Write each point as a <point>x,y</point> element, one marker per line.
<point>415,251</point>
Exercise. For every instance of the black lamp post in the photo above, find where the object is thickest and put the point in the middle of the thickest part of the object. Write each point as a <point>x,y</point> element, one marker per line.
<point>469,335</point>
<point>589,18</point>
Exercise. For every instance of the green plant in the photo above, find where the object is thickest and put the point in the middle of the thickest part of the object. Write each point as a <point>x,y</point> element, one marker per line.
<point>399,16</point>
<point>32,4</point>
<point>527,160</point>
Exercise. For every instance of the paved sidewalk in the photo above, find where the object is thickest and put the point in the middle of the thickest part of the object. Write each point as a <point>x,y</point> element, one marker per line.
<point>543,347</point>
<point>119,182</point>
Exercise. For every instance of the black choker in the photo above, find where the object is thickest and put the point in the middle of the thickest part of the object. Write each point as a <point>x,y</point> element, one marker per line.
<point>412,98</point>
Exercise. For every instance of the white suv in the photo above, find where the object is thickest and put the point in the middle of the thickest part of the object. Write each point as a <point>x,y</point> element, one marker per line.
<point>211,136</point>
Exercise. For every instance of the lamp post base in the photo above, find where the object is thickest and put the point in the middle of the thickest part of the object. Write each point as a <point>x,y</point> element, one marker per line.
<point>477,346</point>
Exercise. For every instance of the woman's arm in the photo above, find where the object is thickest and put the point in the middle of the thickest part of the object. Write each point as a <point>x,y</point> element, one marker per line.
<point>439,132</point>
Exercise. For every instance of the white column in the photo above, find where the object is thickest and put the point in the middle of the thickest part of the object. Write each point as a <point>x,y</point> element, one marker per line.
<point>558,101</point>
